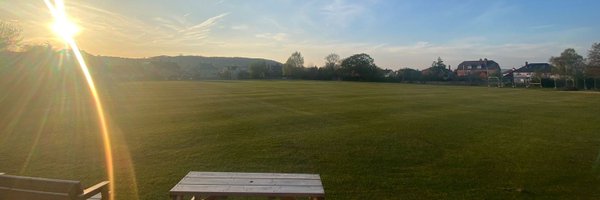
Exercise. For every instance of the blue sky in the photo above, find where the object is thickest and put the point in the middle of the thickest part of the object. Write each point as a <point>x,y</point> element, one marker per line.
<point>395,33</point>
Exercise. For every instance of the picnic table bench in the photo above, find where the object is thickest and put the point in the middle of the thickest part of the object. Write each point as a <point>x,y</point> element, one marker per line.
<point>214,185</point>
<point>22,187</point>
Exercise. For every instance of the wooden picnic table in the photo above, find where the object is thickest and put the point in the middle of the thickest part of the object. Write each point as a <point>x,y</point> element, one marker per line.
<point>214,185</point>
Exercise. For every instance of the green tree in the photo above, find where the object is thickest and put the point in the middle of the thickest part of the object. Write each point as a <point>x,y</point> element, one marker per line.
<point>439,63</point>
<point>593,63</point>
<point>225,74</point>
<point>10,35</point>
<point>258,70</point>
<point>569,65</point>
<point>408,75</point>
<point>594,55</point>
<point>438,71</point>
<point>293,65</point>
<point>326,73</point>
<point>360,67</point>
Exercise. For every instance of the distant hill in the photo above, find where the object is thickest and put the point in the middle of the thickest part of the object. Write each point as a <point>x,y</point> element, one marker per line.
<point>181,67</point>
<point>218,62</point>
<point>154,68</point>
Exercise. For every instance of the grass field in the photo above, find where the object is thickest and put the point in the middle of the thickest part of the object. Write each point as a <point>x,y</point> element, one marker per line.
<point>366,140</point>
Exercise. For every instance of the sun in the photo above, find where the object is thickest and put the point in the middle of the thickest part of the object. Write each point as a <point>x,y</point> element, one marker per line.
<point>62,26</point>
<point>65,28</point>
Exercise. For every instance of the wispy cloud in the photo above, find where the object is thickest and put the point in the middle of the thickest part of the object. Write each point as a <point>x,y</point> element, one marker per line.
<point>240,27</point>
<point>341,12</point>
<point>180,31</point>
<point>274,23</point>
<point>493,12</point>
<point>273,36</point>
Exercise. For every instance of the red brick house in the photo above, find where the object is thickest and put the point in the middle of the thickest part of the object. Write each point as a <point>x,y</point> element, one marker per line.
<point>481,68</point>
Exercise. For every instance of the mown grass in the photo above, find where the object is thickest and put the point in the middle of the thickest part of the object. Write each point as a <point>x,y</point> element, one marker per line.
<point>366,140</point>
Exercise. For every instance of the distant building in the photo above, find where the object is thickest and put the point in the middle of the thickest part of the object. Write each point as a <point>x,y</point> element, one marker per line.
<point>507,76</point>
<point>481,68</point>
<point>528,74</point>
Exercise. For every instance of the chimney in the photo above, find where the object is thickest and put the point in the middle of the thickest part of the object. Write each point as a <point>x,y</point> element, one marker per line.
<point>449,68</point>
<point>526,63</point>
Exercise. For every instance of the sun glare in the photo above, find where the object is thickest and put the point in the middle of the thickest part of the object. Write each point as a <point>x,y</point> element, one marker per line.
<point>62,26</point>
<point>66,30</point>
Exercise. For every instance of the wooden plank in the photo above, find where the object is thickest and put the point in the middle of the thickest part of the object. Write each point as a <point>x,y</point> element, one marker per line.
<point>96,197</point>
<point>71,188</point>
<point>224,190</point>
<point>18,194</point>
<point>250,181</point>
<point>100,188</point>
<point>251,175</point>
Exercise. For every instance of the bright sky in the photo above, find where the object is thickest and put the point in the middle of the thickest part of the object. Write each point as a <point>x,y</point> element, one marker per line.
<point>396,33</point>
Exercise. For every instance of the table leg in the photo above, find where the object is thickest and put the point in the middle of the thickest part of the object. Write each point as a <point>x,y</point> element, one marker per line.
<point>176,197</point>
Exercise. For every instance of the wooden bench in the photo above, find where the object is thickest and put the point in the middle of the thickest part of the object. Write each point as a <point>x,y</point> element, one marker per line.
<point>22,188</point>
<point>217,185</point>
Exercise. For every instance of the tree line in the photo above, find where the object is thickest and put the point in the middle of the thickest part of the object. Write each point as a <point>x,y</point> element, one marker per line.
<point>570,67</point>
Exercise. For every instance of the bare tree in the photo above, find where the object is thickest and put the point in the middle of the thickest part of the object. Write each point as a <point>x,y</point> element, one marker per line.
<point>569,65</point>
<point>10,35</point>
<point>332,61</point>
<point>293,65</point>
<point>593,63</point>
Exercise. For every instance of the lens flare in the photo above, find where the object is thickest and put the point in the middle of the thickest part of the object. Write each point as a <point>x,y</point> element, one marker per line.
<point>66,30</point>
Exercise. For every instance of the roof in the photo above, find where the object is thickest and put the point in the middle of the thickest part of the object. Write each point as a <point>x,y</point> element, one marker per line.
<point>489,64</point>
<point>508,72</point>
<point>535,67</point>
